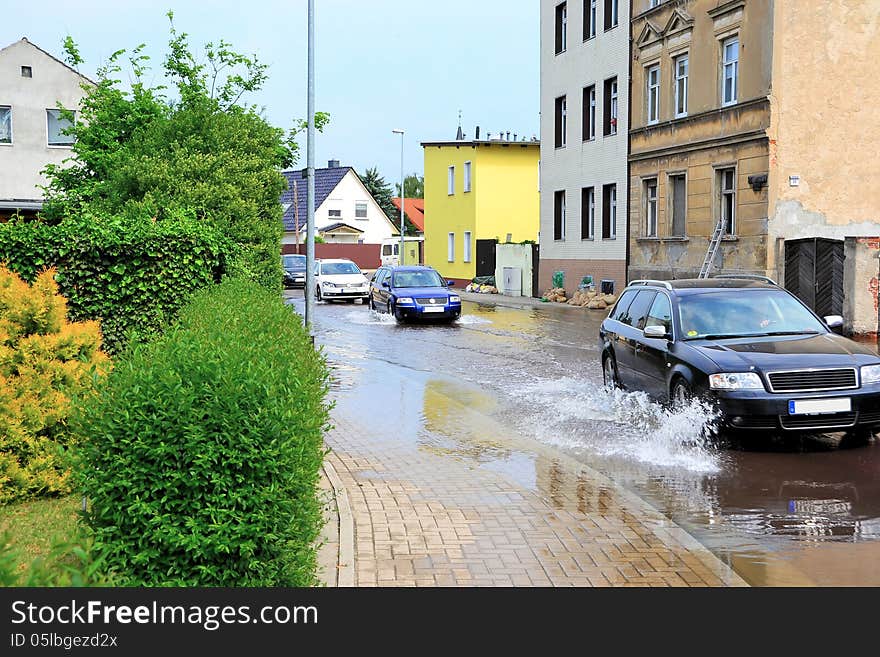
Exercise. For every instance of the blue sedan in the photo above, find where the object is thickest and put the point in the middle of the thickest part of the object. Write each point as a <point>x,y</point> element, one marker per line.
<point>413,292</point>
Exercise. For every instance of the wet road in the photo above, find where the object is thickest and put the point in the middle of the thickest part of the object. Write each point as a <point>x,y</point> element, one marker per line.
<point>801,512</point>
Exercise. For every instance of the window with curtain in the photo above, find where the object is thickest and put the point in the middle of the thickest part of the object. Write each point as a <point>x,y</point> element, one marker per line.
<point>56,125</point>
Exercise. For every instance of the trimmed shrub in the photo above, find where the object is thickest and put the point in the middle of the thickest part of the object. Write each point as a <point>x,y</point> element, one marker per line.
<point>201,450</point>
<point>44,359</point>
<point>132,273</point>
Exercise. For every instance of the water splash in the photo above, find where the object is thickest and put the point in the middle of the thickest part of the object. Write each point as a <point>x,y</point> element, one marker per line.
<point>470,320</point>
<point>574,415</point>
<point>370,317</point>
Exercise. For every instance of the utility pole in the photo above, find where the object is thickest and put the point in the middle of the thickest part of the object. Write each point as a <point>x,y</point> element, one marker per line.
<point>310,194</point>
<point>402,195</point>
<point>296,214</point>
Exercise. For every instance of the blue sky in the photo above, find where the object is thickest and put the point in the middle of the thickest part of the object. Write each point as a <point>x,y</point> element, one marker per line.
<point>381,64</point>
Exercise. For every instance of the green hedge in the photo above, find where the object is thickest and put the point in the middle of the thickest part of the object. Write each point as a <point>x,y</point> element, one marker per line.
<point>131,273</point>
<point>202,448</point>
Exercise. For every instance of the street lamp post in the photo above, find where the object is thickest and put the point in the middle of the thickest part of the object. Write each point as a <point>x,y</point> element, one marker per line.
<point>310,168</point>
<point>402,195</point>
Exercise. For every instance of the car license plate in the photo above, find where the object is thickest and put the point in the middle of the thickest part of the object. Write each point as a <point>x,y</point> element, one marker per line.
<point>433,309</point>
<point>819,406</point>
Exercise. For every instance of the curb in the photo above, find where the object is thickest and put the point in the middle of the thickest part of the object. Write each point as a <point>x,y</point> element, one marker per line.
<point>345,560</point>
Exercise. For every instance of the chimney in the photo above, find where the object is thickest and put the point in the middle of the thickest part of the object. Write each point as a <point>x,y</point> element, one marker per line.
<point>333,164</point>
<point>477,135</point>
<point>508,136</point>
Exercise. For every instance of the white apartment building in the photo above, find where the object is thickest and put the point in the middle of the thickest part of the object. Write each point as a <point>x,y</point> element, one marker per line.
<point>584,141</point>
<point>32,83</point>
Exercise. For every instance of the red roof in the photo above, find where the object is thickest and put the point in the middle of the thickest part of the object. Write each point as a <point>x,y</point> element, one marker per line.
<point>414,209</point>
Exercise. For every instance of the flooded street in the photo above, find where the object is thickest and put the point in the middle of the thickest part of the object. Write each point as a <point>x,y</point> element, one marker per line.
<point>507,388</point>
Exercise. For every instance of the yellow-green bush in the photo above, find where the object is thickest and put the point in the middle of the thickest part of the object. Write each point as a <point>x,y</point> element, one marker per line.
<point>44,360</point>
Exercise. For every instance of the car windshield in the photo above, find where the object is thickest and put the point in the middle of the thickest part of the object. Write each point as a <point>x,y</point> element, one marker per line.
<point>743,313</point>
<point>422,278</point>
<point>293,262</point>
<point>339,268</point>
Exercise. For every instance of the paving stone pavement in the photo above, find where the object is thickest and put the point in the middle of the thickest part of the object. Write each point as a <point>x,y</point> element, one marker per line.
<point>425,517</point>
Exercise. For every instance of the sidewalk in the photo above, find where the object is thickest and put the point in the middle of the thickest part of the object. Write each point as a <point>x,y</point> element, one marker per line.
<point>523,302</point>
<point>417,517</point>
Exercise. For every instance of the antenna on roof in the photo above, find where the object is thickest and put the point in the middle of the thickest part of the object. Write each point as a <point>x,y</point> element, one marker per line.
<point>459,136</point>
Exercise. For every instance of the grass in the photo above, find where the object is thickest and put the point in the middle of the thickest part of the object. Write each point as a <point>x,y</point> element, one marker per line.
<point>33,526</point>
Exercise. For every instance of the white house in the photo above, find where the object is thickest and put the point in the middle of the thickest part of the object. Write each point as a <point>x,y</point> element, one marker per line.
<point>345,211</point>
<point>32,84</point>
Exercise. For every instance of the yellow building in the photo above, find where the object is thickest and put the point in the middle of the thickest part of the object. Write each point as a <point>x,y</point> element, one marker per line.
<point>478,193</point>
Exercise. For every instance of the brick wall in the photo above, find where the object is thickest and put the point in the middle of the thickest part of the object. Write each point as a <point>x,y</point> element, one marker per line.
<point>365,256</point>
<point>576,269</point>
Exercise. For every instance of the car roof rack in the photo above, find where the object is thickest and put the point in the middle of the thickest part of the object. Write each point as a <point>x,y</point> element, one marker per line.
<point>750,277</point>
<point>665,284</point>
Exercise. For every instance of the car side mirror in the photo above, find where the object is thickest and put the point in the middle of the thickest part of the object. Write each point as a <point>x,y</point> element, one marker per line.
<point>450,283</point>
<point>658,332</point>
<point>834,321</point>
<point>384,283</point>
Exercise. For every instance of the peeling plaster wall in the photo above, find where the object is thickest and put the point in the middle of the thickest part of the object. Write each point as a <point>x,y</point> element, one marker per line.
<point>861,309</point>
<point>824,125</point>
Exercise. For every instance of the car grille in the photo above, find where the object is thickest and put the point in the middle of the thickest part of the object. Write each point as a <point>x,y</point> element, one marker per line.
<point>756,422</point>
<point>431,301</point>
<point>813,380</point>
<point>831,421</point>
<point>871,417</point>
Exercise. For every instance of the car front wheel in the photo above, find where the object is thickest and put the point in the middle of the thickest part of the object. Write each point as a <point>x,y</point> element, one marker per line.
<point>609,373</point>
<point>318,295</point>
<point>681,394</point>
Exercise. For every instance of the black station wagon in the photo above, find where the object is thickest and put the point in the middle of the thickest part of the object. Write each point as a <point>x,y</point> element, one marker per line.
<point>755,350</point>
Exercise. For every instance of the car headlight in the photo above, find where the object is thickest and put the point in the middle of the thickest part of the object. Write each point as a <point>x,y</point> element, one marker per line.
<point>454,299</point>
<point>326,284</point>
<point>405,300</point>
<point>735,381</point>
<point>871,374</point>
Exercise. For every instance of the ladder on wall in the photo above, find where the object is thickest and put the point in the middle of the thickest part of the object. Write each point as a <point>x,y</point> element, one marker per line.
<point>714,243</point>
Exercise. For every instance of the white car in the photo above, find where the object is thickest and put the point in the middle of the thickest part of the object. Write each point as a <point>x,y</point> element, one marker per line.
<point>340,279</point>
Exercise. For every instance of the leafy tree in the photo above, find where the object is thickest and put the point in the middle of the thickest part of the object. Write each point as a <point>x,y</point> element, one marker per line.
<point>413,185</point>
<point>138,152</point>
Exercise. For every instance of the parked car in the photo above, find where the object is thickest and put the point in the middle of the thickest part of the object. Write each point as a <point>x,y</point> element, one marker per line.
<point>755,350</point>
<point>294,267</point>
<point>414,292</point>
<point>340,279</point>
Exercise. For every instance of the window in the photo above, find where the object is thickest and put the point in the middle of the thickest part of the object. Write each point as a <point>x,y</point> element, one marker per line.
<point>561,26</point>
<point>589,118</point>
<point>56,125</point>
<point>589,19</point>
<point>620,310</point>
<point>729,71</point>
<point>360,210</point>
<point>559,216</point>
<point>660,313</point>
<point>678,186</point>
<point>611,7</point>
<point>561,121</point>
<point>637,313</point>
<point>610,114</point>
<point>467,246</point>
<point>654,3</point>
<point>334,213</point>
<point>680,66</point>
<point>653,96</point>
<point>727,187</point>
<point>450,248</point>
<point>467,176</point>
<point>27,72</point>
<point>588,213</point>
<point>5,124</point>
<point>609,211</point>
<point>651,208</point>
<point>451,181</point>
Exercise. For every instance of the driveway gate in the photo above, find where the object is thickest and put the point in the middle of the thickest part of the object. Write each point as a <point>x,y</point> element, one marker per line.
<point>814,272</point>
